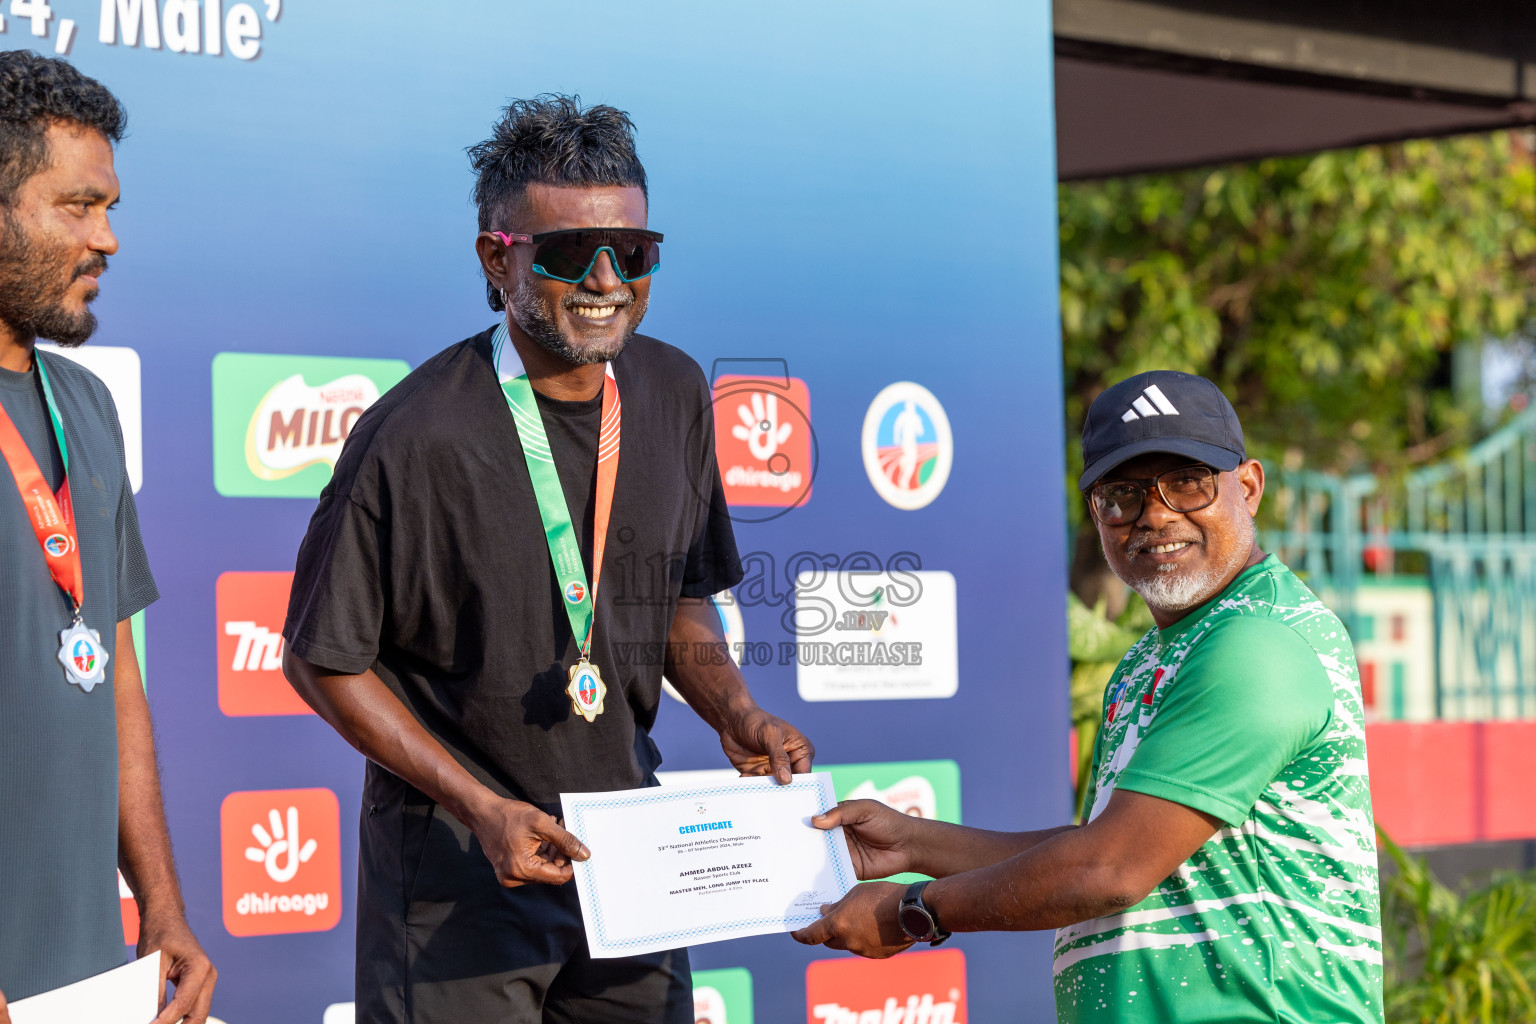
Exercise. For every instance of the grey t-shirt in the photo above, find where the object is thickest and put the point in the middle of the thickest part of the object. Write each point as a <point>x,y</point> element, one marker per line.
<point>59,916</point>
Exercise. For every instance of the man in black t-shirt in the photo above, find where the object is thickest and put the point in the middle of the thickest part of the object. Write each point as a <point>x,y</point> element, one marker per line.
<point>512,535</point>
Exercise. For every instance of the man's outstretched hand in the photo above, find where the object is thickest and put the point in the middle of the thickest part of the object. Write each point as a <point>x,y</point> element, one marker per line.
<point>5,1015</point>
<point>862,922</point>
<point>878,837</point>
<point>758,743</point>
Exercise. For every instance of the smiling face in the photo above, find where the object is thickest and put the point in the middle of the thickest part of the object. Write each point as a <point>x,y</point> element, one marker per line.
<point>56,239</point>
<point>1179,560</point>
<point>584,323</point>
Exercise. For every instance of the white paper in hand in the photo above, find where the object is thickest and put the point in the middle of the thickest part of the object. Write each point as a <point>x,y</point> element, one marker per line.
<point>681,865</point>
<point>128,995</point>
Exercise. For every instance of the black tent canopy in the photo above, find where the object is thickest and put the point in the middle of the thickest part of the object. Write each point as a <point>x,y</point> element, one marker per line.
<point>1156,84</point>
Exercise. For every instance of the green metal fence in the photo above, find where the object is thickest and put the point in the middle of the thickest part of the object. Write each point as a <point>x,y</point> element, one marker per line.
<point>1472,520</point>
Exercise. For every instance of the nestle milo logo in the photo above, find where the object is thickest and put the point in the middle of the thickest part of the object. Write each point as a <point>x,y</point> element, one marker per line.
<point>296,425</point>
<point>279,422</point>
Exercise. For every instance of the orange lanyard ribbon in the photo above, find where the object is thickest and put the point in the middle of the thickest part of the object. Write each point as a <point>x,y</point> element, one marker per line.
<point>53,517</point>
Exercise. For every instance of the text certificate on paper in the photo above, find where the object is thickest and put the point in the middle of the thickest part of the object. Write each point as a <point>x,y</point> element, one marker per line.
<point>678,866</point>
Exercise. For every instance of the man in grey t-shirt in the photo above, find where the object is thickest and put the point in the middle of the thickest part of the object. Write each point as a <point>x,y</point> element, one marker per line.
<point>80,795</point>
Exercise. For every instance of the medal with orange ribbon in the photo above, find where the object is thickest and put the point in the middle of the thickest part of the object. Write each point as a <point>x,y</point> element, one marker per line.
<point>53,523</point>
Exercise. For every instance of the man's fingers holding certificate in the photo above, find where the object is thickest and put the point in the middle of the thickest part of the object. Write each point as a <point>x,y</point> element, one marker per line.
<point>758,743</point>
<point>526,845</point>
<point>876,835</point>
<point>862,922</point>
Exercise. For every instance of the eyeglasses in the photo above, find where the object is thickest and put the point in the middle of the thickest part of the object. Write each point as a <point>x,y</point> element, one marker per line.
<point>1185,489</point>
<point>569,255</point>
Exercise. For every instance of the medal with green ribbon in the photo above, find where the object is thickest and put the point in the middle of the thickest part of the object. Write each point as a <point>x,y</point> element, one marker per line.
<point>586,688</point>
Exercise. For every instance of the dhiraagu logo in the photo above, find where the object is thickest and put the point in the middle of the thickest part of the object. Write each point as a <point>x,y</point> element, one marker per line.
<point>279,421</point>
<point>722,996</point>
<point>923,789</point>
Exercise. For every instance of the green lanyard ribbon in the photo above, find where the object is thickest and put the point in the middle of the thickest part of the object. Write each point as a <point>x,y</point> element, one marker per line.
<point>564,545</point>
<point>53,410</point>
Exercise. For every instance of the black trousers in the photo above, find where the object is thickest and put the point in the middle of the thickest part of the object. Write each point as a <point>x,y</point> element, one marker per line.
<point>440,941</point>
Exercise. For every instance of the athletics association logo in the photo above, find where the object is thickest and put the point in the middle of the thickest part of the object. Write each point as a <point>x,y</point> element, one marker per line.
<point>928,987</point>
<point>249,608</point>
<point>83,654</point>
<point>57,544</point>
<point>281,852</point>
<point>586,688</point>
<point>763,440</point>
<point>278,435</point>
<point>908,447</point>
<point>574,592</point>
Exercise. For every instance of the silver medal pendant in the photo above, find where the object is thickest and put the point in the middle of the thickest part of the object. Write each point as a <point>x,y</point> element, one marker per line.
<point>82,655</point>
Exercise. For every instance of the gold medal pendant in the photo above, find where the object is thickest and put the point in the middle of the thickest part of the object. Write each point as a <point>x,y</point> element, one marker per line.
<point>587,689</point>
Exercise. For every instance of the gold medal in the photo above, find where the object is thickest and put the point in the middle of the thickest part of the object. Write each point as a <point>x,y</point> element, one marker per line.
<point>587,689</point>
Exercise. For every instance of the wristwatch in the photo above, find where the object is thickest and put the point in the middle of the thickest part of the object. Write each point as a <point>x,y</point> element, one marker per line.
<point>917,918</point>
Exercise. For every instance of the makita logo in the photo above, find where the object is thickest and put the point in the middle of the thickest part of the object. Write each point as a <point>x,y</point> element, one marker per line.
<point>915,1010</point>
<point>914,988</point>
<point>258,650</point>
<point>296,425</point>
<point>1151,402</point>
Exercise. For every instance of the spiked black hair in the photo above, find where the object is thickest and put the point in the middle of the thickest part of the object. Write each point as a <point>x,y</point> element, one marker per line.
<point>550,140</point>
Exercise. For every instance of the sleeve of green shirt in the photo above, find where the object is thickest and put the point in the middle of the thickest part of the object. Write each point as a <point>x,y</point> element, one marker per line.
<point>1249,698</point>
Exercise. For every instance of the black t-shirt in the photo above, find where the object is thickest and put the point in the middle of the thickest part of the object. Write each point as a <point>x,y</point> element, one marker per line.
<point>426,560</point>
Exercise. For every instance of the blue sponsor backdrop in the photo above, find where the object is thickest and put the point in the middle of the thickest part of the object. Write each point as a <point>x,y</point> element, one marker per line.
<point>865,190</point>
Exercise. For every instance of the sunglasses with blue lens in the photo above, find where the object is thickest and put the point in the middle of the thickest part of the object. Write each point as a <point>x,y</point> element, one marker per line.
<point>569,255</point>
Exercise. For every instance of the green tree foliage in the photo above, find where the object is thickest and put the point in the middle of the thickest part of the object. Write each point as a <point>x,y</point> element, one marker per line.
<point>1323,293</point>
<point>1454,957</point>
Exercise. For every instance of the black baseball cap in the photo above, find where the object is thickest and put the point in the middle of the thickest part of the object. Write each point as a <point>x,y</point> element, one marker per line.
<point>1160,411</point>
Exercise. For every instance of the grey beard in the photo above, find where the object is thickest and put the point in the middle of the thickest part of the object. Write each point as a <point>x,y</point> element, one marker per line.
<point>1176,589</point>
<point>532,314</point>
<point>29,303</point>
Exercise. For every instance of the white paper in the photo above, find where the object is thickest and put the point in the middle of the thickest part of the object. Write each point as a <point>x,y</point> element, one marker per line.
<point>682,865</point>
<point>127,995</point>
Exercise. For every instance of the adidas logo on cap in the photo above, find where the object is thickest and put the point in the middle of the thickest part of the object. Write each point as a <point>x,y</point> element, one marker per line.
<point>1132,417</point>
<point>1151,402</point>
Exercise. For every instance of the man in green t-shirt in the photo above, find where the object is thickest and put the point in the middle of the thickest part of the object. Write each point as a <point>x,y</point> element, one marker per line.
<point>1227,867</point>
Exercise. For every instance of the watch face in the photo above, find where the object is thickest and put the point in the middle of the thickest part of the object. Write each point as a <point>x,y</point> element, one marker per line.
<point>916,923</point>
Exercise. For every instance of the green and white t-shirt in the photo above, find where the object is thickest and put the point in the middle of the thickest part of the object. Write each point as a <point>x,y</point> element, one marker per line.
<point>1248,709</point>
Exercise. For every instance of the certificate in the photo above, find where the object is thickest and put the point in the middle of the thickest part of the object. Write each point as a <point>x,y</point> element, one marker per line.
<point>682,865</point>
<point>127,995</point>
